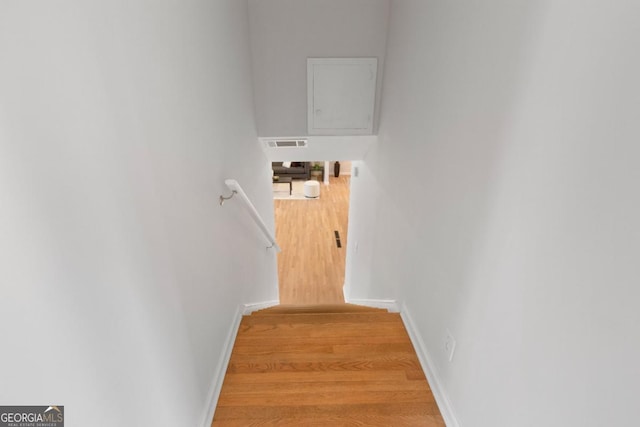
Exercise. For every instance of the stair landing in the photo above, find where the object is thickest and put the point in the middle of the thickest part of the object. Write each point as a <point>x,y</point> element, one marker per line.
<point>325,366</point>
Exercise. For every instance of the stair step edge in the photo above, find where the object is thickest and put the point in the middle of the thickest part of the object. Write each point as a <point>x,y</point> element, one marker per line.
<point>318,308</point>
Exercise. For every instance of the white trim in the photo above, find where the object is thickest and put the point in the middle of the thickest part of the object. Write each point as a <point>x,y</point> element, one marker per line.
<point>389,304</point>
<point>250,308</point>
<point>444,404</point>
<point>346,288</point>
<point>218,377</point>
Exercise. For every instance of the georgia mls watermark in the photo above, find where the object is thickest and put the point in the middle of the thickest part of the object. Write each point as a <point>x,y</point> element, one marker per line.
<point>32,416</point>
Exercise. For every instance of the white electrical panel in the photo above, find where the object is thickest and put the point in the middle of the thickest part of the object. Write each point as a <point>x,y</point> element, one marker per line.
<point>341,95</point>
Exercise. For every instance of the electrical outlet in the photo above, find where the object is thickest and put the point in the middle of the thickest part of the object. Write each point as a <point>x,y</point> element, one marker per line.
<point>449,345</point>
<point>355,247</point>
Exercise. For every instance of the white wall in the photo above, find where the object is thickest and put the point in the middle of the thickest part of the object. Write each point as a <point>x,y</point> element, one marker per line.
<point>507,204</point>
<point>363,233</point>
<point>322,148</point>
<point>120,274</point>
<point>284,33</point>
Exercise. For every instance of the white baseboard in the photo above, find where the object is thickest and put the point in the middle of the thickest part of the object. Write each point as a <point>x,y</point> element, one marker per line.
<point>346,288</point>
<point>429,369</point>
<point>250,308</point>
<point>221,369</point>
<point>389,304</point>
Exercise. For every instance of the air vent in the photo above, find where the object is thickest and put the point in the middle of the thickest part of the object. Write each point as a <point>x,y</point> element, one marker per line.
<point>286,143</point>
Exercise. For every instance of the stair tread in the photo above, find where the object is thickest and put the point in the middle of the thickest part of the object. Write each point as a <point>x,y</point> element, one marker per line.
<point>323,318</point>
<point>325,365</point>
<point>363,419</point>
<point>319,308</point>
<point>358,411</point>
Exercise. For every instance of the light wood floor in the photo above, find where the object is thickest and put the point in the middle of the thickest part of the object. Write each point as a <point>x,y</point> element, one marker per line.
<point>307,367</point>
<point>310,266</point>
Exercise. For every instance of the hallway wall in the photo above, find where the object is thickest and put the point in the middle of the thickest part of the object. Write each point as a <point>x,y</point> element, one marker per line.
<point>503,195</point>
<point>120,274</point>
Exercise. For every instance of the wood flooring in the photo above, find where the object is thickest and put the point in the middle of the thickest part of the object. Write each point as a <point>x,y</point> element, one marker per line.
<point>311,266</point>
<point>325,366</point>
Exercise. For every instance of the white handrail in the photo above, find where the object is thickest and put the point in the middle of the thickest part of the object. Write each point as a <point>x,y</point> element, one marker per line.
<point>237,189</point>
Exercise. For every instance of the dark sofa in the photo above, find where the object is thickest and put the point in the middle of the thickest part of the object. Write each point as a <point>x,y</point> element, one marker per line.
<point>298,170</point>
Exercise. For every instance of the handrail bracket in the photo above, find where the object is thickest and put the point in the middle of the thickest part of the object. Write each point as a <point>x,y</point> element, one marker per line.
<point>222,198</point>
